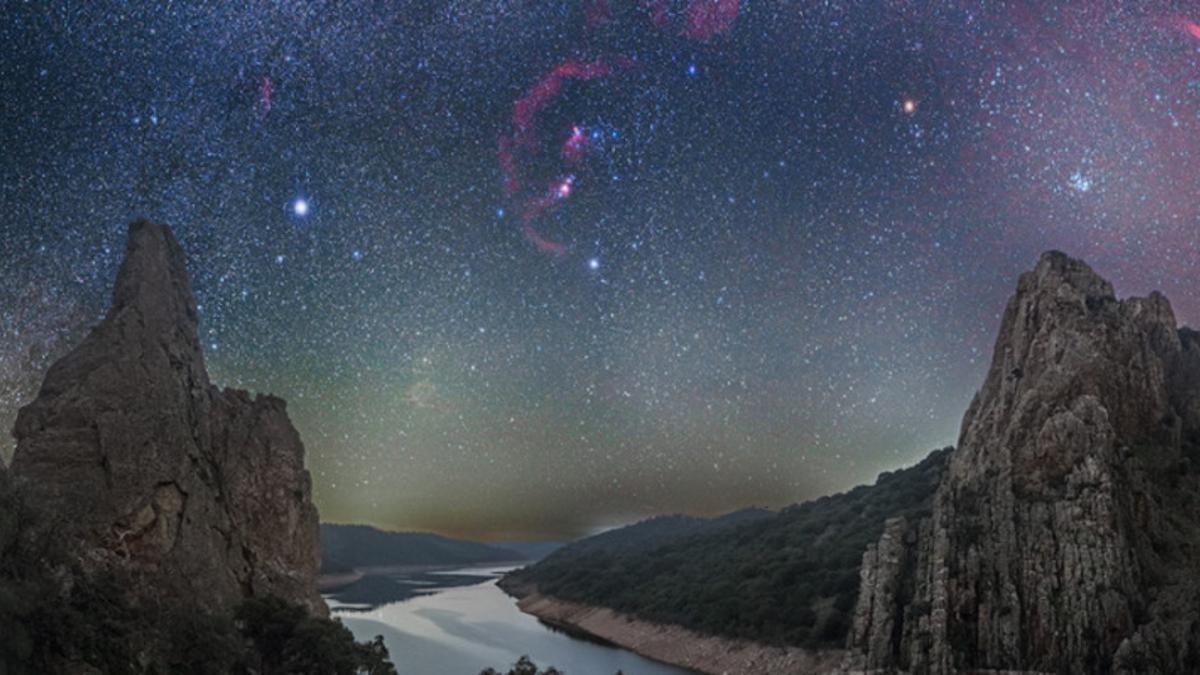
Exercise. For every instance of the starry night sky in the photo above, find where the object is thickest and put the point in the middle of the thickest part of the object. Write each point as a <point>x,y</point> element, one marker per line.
<point>529,269</point>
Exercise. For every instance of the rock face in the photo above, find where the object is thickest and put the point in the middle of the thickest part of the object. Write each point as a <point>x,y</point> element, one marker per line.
<point>200,493</point>
<point>1064,534</point>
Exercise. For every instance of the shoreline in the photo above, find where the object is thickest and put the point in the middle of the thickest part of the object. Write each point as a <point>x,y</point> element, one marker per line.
<point>331,583</point>
<point>671,644</point>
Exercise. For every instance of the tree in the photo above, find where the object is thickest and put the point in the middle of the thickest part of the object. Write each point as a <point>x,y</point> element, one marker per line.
<point>288,641</point>
<point>526,666</point>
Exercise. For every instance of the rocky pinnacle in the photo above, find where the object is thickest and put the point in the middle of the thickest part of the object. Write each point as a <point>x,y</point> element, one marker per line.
<point>149,469</point>
<point>1063,533</point>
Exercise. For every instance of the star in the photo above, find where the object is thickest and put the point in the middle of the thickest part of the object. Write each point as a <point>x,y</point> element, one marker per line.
<point>1080,182</point>
<point>593,264</point>
<point>300,207</point>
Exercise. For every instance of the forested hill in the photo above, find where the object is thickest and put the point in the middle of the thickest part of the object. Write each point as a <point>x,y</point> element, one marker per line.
<point>789,578</point>
<point>529,550</point>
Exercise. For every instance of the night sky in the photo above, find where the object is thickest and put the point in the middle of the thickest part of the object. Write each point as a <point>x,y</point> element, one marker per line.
<point>529,269</point>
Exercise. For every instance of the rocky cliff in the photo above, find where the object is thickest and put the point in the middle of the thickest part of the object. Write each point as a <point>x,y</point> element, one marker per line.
<point>1063,536</point>
<point>148,468</point>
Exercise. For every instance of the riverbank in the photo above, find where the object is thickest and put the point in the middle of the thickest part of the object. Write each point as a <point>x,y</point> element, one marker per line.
<point>460,630</point>
<point>674,644</point>
<point>335,581</point>
<point>371,587</point>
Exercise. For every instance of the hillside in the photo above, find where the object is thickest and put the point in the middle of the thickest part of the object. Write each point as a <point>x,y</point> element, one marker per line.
<point>345,547</point>
<point>530,550</point>
<point>653,532</point>
<point>790,578</point>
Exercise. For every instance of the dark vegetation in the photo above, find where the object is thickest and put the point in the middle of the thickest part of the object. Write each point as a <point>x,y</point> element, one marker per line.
<point>791,578</point>
<point>54,618</point>
<point>285,639</point>
<point>530,550</point>
<point>348,547</point>
<point>524,666</point>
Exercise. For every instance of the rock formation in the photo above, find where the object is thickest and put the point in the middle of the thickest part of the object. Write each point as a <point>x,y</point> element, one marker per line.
<point>149,469</point>
<point>1064,534</point>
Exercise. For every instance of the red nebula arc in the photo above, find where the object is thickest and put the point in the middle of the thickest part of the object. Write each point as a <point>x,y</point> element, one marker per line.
<point>266,88</point>
<point>533,101</point>
<point>659,12</point>
<point>543,244</point>
<point>706,18</point>
<point>524,141</point>
<point>702,20</point>
<point>597,13</point>
<point>1190,27</point>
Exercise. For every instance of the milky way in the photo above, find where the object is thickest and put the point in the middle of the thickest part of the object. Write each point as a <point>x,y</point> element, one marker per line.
<point>529,269</point>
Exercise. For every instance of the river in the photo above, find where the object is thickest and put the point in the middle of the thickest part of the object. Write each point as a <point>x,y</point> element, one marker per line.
<point>470,624</point>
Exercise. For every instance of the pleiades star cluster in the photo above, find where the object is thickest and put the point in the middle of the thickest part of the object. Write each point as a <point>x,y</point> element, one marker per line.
<point>529,269</point>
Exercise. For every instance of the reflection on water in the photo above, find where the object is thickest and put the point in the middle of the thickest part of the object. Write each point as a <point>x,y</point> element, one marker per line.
<point>460,630</point>
<point>376,589</point>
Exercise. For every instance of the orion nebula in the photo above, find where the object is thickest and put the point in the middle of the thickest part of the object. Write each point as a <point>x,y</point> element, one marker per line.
<point>701,20</point>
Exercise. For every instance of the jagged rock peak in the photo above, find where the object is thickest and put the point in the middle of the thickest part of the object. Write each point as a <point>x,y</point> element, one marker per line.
<point>1071,281</point>
<point>153,281</point>
<point>1056,268</point>
<point>152,318</point>
<point>1061,535</point>
<point>151,470</point>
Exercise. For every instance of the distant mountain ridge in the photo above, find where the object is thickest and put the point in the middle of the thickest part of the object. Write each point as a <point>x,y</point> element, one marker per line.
<point>349,547</point>
<point>650,533</point>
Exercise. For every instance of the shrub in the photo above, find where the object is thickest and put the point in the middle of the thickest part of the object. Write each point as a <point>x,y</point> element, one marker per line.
<point>286,640</point>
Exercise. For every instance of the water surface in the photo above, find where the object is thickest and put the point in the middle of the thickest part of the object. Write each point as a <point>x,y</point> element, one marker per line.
<point>460,630</point>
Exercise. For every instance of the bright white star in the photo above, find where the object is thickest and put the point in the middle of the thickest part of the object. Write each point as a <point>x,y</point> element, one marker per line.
<point>1079,182</point>
<point>300,206</point>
